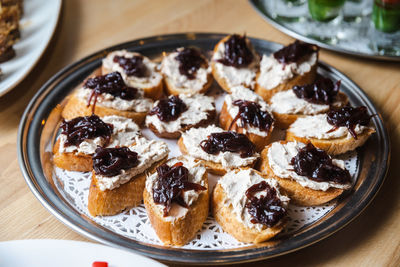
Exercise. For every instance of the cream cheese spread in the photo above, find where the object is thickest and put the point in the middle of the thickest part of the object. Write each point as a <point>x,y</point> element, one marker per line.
<point>243,93</point>
<point>199,106</point>
<point>273,73</point>
<point>170,68</point>
<point>318,127</point>
<point>149,152</point>
<point>192,139</point>
<point>153,79</point>
<point>236,76</point>
<point>279,158</point>
<point>235,184</point>
<point>124,132</point>
<point>196,173</point>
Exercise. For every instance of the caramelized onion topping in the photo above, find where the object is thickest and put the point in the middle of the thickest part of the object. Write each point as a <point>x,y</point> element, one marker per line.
<point>110,161</point>
<point>81,128</point>
<point>294,52</point>
<point>228,141</point>
<point>133,66</point>
<point>237,53</point>
<point>172,182</point>
<point>169,109</point>
<point>317,165</point>
<point>323,91</point>
<point>348,117</point>
<point>251,113</point>
<point>190,60</point>
<point>267,209</point>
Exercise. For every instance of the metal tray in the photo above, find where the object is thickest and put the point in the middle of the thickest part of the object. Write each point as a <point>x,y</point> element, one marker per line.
<point>351,34</point>
<point>38,128</point>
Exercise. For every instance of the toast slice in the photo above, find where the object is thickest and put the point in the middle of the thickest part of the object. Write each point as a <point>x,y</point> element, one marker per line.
<point>172,89</point>
<point>71,161</point>
<point>181,229</point>
<point>298,194</point>
<point>126,196</point>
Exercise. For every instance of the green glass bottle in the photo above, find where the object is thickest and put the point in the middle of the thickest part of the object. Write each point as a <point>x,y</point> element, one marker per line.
<point>325,10</point>
<point>386,15</point>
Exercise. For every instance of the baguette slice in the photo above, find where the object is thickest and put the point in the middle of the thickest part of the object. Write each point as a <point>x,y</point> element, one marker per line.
<point>182,229</point>
<point>334,146</point>
<point>226,218</point>
<point>126,196</point>
<point>306,78</point>
<point>284,120</point>
<point>76,107</point>
<point>221,80</point>
<point>175,135</point>
<point>225,121</point>
<point>71,161</point>
<point>172,89</point>
<point>298,194</point>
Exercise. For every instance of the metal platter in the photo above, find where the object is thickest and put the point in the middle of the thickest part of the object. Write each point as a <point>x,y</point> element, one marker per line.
<point>351,34</point>
<point>38,128</point>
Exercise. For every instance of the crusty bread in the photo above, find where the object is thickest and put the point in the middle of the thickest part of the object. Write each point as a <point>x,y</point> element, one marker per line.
<point>307,78</point>
<point>183,229</point>
<point>220,80</point>
<point>225,121</point>
<point>175,135</point>
<point>334,146</point>
<point>298,194</point>
<point>171,89</point>
<point>71,161</point>
<point>212,167</point>
<point>153,92</point>
<point>76,107</point>
<point>283,120</point>
<point>128,195</point>
<point>225,216</point>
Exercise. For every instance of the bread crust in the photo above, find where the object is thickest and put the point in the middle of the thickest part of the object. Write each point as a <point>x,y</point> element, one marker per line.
<point>227,219</point>
<point>175,135</point>
<point>71,161</point>
<point>212,167</point>
<point>334,146</point>
<point>297,193</point>
<point>153,92</point>
<point>76,107</point>
<point>220,80</point>
<point>225,121</point>
<point>284,120</point>
<point>183,229</point>
<point>171,89</point>
<point>126,196</point>
<point>306,78</point>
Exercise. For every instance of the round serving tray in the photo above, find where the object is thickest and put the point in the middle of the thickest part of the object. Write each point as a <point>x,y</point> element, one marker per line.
<point>37,130</point>
<point>353,34</point>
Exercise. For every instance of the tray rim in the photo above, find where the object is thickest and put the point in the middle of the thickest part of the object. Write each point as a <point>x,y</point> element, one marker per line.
<point>337,49</point>
<point>175,254</point>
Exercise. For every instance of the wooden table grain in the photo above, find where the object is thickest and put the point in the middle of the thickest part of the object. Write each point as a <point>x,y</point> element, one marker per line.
<point>373,239</point>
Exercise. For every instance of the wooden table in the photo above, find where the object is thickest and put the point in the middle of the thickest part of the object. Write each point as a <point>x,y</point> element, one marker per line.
<point>87,26</point>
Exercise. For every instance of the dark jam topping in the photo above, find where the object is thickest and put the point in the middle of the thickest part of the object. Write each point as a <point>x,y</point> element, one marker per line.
<point>81,128</point>
<point>133,66</point>
<point>323,91</point>
<point>190,60</point>
<point>111,83</point>
<point>237,53</point>
<point>228,141</point>
<point>348,117</point>
<point>294,52</point>
<point>251,113</point>
<point>318,166</point>
<point>169,109</point>
<point>267,209</point>
<point>171,183</point>
<point>110,161</point>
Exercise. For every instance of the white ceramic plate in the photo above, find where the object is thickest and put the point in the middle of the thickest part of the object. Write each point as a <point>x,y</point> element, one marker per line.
<point>37,27</point>
<point>66,253</point>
